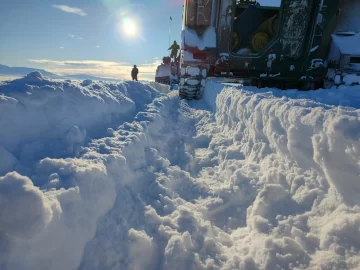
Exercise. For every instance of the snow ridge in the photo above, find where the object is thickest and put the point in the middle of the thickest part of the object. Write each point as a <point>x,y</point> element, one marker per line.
<point>48,118</point>
<point>298,180</point>
<point>48,216</point>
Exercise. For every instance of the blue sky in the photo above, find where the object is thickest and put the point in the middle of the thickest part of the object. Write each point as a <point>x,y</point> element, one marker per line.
<point>86,36</point>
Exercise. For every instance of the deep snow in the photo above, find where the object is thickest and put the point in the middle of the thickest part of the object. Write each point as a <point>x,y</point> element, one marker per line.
<point>125,176</point>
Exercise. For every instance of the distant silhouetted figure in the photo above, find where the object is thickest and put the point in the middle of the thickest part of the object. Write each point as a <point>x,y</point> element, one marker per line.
<point>174,50</point>
<point>134,73</point>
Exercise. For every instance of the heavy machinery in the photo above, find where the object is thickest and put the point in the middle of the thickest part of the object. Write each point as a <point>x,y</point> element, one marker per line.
<point>168,72</point>
<point>292,44</point>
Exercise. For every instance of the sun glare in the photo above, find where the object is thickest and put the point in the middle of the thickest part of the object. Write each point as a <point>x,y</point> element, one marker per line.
<point>129,27</point>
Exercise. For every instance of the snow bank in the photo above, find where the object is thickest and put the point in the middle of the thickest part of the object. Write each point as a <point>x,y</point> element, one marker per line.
<point>46,118</point>
<point>345,43</point>
<point>297,184</point>
<point>32,212</point>
<point>343,96</point>
<point>48,229</point>
<point>48,216</point>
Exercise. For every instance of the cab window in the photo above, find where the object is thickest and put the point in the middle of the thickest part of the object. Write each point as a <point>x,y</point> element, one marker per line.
<point>256,23</point>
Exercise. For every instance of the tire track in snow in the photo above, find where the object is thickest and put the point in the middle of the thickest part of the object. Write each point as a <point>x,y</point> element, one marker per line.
<point>178,139</point>
<point>159,185</point>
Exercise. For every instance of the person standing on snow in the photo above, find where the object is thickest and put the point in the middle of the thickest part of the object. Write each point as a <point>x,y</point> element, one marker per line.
<point>174,50</point>
<point>134,73</point>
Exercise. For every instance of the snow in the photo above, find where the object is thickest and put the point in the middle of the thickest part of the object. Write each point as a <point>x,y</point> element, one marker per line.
<point>345,43</point>
<point>38,112</point>
<point>189,57</point>
<point>194,71</point>
<point>164,70</point>
<point>32,212</point>
<point>350,79</point>
<point>245,178</point>
<point>206,40</point>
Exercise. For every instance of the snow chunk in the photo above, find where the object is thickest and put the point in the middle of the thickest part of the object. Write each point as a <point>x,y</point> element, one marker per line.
<point>164,70</point>
<point>24,209</point>
<point>350,79</point>
<point>192,39</point>
<point>345,43</point>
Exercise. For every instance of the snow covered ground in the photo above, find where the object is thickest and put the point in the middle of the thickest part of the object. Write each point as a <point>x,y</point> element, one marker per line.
<point>128,176</point>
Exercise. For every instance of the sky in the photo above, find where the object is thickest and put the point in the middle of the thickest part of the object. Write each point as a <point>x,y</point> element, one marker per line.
<point>97,37</point>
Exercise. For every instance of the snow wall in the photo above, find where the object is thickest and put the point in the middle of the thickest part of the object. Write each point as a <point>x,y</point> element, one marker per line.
<point>51,195</point>
<point>40,116</point>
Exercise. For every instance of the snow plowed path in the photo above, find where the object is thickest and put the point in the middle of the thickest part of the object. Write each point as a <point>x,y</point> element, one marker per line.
<point>243,186</point>
<point>243,179</point>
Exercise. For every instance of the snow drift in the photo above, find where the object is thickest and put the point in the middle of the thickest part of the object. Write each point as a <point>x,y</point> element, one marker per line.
<point>298,180</point>
<point>49,213</point>
<point>244,179</point>
<point>40,116</point>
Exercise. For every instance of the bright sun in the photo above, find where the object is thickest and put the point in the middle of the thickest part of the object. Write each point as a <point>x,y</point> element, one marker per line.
<point>129,27</point>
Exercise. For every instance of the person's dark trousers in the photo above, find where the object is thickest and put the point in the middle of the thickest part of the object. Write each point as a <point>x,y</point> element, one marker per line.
<point>134,78</point>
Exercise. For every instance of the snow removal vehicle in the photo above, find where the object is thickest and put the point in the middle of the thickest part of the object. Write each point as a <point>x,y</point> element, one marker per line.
<point>294,44</point>
<point>168,72</point>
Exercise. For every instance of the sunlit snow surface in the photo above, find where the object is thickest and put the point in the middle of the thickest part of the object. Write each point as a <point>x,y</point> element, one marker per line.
<point>125,176</point>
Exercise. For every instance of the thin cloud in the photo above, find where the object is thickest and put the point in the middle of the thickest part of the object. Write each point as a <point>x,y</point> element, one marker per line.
<point>61,48</point>
<point>80,38</point>
<point>97,47</point>
<point>74,62</point>
<point>72,36</point>
<point>68,9</point>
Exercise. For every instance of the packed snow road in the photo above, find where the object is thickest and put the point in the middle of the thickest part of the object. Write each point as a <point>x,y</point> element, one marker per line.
<point>243,179</point>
